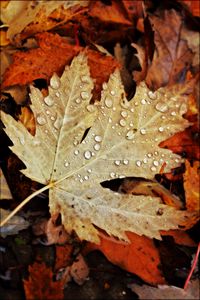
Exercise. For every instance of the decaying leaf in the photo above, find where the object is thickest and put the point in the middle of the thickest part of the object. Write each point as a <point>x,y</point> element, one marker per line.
<point>191,186</point>
<point>140,257</point>
<point>32,16</point>
<point>40,284</point>
<point>172,56</point>
<point>16,224</point>
<point>78,145</point>
<point>167,292</point>
<point>52,54</point>
<point>5,191</point>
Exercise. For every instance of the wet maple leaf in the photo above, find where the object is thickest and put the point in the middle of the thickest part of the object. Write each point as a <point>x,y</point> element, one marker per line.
<point>40,284</point>
<point>172,56</point>
<point>51,56</point>
<point>192,186</point>
<point>72,161</point>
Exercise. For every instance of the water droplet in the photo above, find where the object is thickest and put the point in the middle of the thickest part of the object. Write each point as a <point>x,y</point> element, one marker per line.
<point>117,162</point>
<point>98,138</point>
<point>143,131</point>
<point>149,154</point>
<point>104,86</point>
<point>22,140</point>
<point>57,124</point>
<point>183,109</point>
<point>173,113</point>
<point>55,82</point>
<point>136,103</point>
<point>87,154</point>
<point>97,147</point>
<point>52,118</point>
<point>90,108</point>
<point>84,95</point>
<point>162,107</point>
<point>145,160</point>
<point>132,110</point>
<point>130,134</point>
<point>76,152</point>
<point>138,163</point>
<point>161,129</point>
<point>125,161</point>
<point>48,100</point>
<point>122,122</point>
<point>86,177</point>
<point>112,92</point>
<point>109,120</point>
<point>85,78</point>
<point>153,169</point>
<point>112,175</point>
<point>124,114</point>
<point>66,164</point>
<point>152,95</point>
<point>156,153</point>
<point>78,100</point>
<point>41,120</point>
<point>89,170</point>
<point>47,112</point>
<point>57,94</point>
<point>143,101</point>
<point>156,163</point>
<point>81,180</point>
<point>108,102</point>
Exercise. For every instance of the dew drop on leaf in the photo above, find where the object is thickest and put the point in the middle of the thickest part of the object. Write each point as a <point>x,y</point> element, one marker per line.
<point>84,95</point>
<point>138,163</point>
<point>143,131</point>
<point>108,102</point>
<point>66,164</point>
<point>86,177</point>
<point>49,101</point>
<point>112,92</point>
<point>117,162</point>
<point>153,169</point>
<point>156,163</point>
<point>124,114</point>
<point>122,122</point>
<point>125,161</point>
<point>76,152</point>
<point>41,120</point>
<point>112,175</point>
<point>89,170</point>
<point>173,113</point>
<point>87,154</point>
<point>85,78</point>
<point>161,129</point>
<point>78,100</point>
<point>98,138</point>
<point>130,134</point>
<point>152,95</point>
<point>97,147</point>
<point>55,82</point>
<point>143,101</point>
<point>90,108</point>
<point>104,86</point>
<point>162,107</point>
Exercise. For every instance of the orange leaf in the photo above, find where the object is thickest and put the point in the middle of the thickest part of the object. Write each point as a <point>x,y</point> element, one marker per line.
<point>63,256</point>
<point>51,56</point>
<point>191,185</point>
<point>40,284</point>
<point>194,7</point>
<point>27,119</point>
<point>140,257</point>
<point>180,237</point>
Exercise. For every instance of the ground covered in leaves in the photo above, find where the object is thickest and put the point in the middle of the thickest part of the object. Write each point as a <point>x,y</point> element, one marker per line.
<point>155,46</point>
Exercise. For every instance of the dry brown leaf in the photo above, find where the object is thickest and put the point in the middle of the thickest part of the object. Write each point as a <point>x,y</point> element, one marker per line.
<point>167,292</point>
<point>63,256</point>
<point>140,257</point>
<point>172,56</point>
<point>192,186</point>
<point>40,284</point>
<point>139,76</point>
<point>27,119</point>
<point>53,54</point>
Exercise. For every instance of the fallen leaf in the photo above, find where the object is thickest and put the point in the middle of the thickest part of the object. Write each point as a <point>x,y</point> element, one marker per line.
<point>54,233</point>
<point>30,18</point>
<point>172,56</point>
<point>193,6</point>
<point>13,226</point>
<point>167,292</point>
<point>113,13</point>
<point>51,56</point>
<point>27,119</point>
<point>79,270</point>
<point>192,186</point>
<point>139,257</point>
<point>63,256</point>
<point>5,190</point>
<point>139,76</point>
<point>180,237</point>
<point>40,284</point>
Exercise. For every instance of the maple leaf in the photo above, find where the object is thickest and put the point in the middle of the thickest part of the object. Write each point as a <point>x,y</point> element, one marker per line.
<point>40,284</point>
<point>78,145</point>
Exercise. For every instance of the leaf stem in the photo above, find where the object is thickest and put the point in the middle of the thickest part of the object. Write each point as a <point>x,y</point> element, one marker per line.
<point>46,187</point>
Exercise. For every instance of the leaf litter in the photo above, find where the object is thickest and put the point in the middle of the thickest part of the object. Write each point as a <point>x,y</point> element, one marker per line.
<point>94,142</point>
